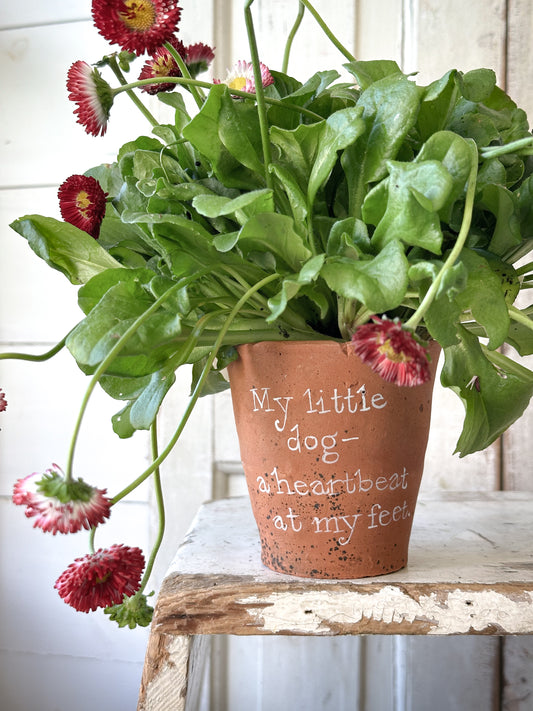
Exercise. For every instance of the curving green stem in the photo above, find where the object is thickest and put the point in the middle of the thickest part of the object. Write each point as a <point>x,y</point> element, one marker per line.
<point>494,151</point>
<point>197,390</point>
<point>113,64</point>
<point>329,34</point>
<point>259,93</point>
<point>185,73</point>
<point>208,85</point>
<point>160,512</point>
<point>524,269</point>
<point>426,302</point>
<point>40,358</point>
<point>519,317</point>
<point>290,37</point>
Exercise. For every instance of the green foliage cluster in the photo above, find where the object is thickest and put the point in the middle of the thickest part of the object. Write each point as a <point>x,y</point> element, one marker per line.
<point>366,193</point>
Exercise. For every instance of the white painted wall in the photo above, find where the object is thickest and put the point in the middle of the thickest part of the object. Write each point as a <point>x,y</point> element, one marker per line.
<point>53,659</point>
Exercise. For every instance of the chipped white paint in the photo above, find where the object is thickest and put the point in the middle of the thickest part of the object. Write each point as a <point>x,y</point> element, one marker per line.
<point>163,693</point>
<point>457,612</point>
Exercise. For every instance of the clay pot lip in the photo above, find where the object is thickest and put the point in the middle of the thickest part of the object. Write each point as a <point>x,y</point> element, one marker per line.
<point>433,346</point>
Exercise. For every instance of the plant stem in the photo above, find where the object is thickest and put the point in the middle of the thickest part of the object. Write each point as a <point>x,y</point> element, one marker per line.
<point>494,151</point>
<point>160,512</point>
<point>329,34</point>
<point>259,93</point>
<point>197,390</point>
<point>35,358</point>
<point>519,317</point>
<point>113,64</point>
<point>426,302</point>
<point>290,37</point>
<point>207,85</point>
<point>186,74</point>
<point>524,269</point>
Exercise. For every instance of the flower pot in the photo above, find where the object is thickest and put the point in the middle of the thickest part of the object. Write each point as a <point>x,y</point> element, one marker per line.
<point>333,457</point>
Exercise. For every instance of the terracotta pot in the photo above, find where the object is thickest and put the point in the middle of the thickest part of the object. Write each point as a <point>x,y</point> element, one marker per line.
<point>333,457</point>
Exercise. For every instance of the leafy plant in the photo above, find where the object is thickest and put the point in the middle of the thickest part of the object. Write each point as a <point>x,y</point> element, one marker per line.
<point>299,212</point>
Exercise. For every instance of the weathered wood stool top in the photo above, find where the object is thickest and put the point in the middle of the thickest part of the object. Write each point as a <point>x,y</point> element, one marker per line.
<point>470,571</point>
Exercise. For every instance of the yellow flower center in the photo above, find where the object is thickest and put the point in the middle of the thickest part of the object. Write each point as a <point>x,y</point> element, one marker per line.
<point>138,15</point>
<point>388,351</point>
<point>163,66</point>
<point>238,83</point>
<point>83,203</point>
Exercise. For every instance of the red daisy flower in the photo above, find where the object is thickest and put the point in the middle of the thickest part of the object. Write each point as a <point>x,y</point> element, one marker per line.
<point>241,77</point>
<point>162,64</point>
<point>82,202</point>
<point>392,352</point>
<point>198,57</point>
<point>101,579</point>
<point>3,401</point>
<point>60,506</point>
<point>138,26</point>
<point>93,95</point>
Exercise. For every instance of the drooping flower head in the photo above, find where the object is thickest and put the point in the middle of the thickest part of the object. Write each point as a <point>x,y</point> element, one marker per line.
<point>138,26</point>
<point>93,95</point>
<point>82,202</point>
<point>3,401</point>
<point>392,352</point>
<point>162,64</point>
<point>60,506</point>
<point>101,579</point>
<point>241,77</point>
<point>198,57</point>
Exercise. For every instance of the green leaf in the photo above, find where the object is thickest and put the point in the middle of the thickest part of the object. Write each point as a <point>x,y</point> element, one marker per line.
<point>390,106</point>
<point>477,85</point>
<point>455,154</point>
<point>292,285</point>
<point>484,297</point>
<point>407,206</point>
<point>298,150</point>
<point>379,283</point>
<point>274,233</point>
<point>368,72</point>
<point>520,336</point>
<point>495,390</point>
<point>65,247</point>
<point>243,207</point>
<point>502,203</point>
<point>146,406</point>
<point>204,133</point>
<point>340,130</point>
<point>437,105</point>
<point>120,306</point>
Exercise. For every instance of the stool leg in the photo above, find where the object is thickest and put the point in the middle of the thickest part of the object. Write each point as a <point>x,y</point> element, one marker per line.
<point>173,672</point>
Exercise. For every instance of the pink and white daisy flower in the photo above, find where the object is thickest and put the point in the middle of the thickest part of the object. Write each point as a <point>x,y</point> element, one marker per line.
<point>241,77</point>
<point>101,579</point>
<point>61,506</point>
<point>138,26</point>
<point>82,202</point>
<point>93,95</point>
<point>392,352</point>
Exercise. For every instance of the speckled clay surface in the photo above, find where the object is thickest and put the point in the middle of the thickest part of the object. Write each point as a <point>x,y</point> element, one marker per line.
<point>333,457</point>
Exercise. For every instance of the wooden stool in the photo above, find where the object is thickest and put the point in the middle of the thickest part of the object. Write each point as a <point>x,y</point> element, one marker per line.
<point>470,572</point>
